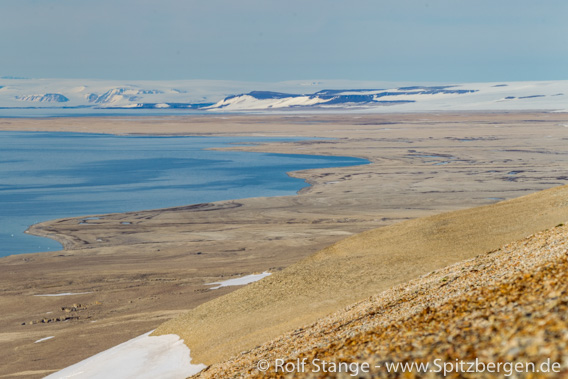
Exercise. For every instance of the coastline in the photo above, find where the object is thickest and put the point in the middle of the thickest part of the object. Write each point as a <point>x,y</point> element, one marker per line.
<point>137,289</point>
<point>95,174</point>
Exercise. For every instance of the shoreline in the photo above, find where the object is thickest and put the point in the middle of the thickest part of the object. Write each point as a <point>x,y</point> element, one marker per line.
<point>148,272</point>
<point>179,181</point>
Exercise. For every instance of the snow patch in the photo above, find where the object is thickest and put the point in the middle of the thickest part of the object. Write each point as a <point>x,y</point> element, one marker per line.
<point>64,294</point>
<point>239,281</point>
<point>144,357</point>
<point>44,339</point>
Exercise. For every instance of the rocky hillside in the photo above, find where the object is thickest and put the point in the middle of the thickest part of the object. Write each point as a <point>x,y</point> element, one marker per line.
<point>355,268</point>
<point>507,306</point>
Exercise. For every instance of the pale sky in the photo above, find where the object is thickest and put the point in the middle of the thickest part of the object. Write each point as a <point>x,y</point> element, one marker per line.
<point>266,40</point>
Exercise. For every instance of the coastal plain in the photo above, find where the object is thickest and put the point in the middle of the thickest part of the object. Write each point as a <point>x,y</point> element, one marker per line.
<point>131,272</point>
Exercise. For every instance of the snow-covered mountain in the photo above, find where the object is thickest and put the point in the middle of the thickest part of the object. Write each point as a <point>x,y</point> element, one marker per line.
<point>19,96</point>
<point>45,98</point>
<point>97,94</point>
<point>471,96</point>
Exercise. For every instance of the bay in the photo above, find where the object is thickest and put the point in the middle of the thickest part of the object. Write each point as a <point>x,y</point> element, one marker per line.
<point>50,175</point>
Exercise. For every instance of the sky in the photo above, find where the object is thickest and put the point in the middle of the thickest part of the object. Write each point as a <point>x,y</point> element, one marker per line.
<point>267,40</point>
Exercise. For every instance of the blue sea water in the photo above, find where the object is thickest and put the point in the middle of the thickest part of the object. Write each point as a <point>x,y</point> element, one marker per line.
<point>44,176</point>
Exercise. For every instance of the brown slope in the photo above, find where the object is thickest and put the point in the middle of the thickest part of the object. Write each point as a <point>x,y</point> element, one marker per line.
<point>508,306</point>
<point>356,268</point>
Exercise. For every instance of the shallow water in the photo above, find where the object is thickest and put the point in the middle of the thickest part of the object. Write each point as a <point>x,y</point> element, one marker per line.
<point>44,176</point>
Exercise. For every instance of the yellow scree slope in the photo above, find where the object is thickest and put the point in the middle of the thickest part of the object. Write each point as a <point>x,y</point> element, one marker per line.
<point>356,268</point>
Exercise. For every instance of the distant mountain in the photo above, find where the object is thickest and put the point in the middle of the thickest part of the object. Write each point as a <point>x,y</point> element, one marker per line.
<point>117,95</point>
<point>47,98</point>
<point>473,96</point>
<point>224,96</point>
<point>68,94</point>
<point>330,98</point>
